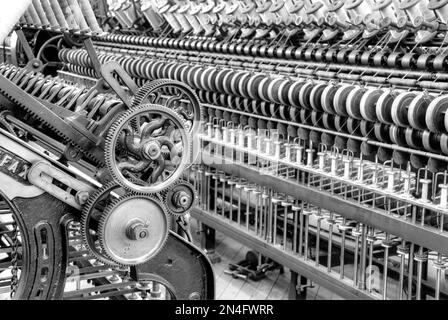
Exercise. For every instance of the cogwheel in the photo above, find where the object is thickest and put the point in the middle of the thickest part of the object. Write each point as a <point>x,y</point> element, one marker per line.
<point>143,167</point>
<point>179,198</point>
<point>133,229</point>
<point>150,93</point>
<point>90,221</point>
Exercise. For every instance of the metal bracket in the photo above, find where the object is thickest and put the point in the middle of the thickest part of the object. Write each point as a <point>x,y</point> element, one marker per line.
<point>59,184</point>
<point>183,266</point>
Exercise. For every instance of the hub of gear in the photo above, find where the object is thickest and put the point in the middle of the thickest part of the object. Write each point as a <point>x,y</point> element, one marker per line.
<point>180,198</point>
<point>179,97</point>
<point>133,229</point>
<point>147,148</point>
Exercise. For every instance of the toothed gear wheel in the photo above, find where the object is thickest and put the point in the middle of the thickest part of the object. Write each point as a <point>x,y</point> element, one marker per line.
<point>179,198</point>
<point>91,214</point>
<point>138,144</point>
<point>133,229</point>
<point>170,93</point>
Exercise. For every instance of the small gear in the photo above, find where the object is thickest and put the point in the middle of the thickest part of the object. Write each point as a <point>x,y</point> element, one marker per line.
<point>90,217</point>
<point>179,198</point>
<point>148,148</point>
<point>133,229</point>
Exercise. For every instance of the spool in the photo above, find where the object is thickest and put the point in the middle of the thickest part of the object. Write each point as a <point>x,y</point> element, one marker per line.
<point>436,114</point>
<point>316,96</point>
<point>340,99</point>
<point>384,154</point>
<point>384,106</point>
<point>418,109</point>
<point>353,103</point>
<point>368,149</point>
<point>400,107</point>
<point>340,142</point>
<point>327,98</point>
<point>368,102</point>
<point>305,95</point>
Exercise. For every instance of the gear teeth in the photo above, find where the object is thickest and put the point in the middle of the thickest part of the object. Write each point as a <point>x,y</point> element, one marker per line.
<point>115,130</point>
<point>109,209</point>
<point>88,208</point>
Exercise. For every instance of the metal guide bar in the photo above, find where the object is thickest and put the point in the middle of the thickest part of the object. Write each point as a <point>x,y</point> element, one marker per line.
<point>305,168</point>
<point>305,268</point>
<point>424,236</point>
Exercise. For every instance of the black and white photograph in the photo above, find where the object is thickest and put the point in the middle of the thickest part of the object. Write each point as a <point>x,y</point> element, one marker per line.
<point>210,158</point>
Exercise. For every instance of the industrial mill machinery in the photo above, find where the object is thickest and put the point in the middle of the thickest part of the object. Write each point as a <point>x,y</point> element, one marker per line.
<point>77,221</point>
<point>315,132</point>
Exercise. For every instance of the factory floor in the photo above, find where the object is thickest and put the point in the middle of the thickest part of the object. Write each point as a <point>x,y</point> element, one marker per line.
<point>275,286</point>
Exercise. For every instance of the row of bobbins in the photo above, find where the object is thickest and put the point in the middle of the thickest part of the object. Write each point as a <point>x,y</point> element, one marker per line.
<point>62,16</point>
<point>422,61</point>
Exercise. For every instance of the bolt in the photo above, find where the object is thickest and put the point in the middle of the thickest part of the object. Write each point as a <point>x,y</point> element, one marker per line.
<point>152,150</point>
<point>73,153</point>
<point>181,199</point>
<point>136,230</point>
<point>82,197</point>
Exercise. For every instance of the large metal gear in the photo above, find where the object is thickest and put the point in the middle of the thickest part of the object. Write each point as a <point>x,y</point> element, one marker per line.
<point>174,95</point>
<point>91,214</point>
<point>179,198</point>
<point>133,229</point>
<point>137,148</point>
<point>177,96</point>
